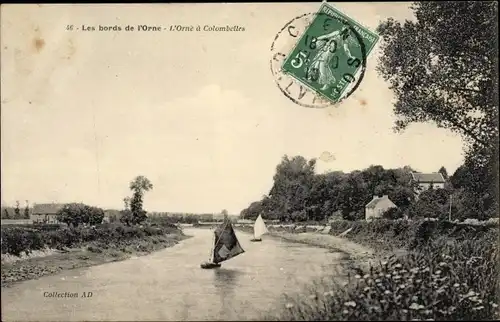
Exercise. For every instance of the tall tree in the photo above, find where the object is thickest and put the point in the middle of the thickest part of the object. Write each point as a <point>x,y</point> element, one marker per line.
<point>292,184</point>
<point>139,186</point>
<point>126,202</point>
<point>27,210</point>
<point>443,172</point>
<point>17,210</point>
<point>442,69</point>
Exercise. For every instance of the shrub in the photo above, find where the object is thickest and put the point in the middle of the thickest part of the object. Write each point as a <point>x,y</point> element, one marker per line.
<point>126,217</point>
<point>441,281</point>
<point>16,240</point>
<point>389,234</point>
<point>393,213</point>
<point>78,213</point>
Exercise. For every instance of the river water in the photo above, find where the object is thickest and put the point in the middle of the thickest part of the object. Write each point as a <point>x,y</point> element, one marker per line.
<point>170,285</point>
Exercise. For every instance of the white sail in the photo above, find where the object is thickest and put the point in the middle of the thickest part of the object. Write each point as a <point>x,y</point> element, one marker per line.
<point>259,228</point>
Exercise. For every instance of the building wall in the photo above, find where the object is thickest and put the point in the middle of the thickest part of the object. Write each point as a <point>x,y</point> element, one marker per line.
<point>426,186</point>
<point>377,211</point>
<point>370,213</point>
<point>44,218</point>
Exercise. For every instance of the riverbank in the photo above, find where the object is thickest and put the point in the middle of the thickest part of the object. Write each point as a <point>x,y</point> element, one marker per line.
<point>448,271</point>
<point>48,261</point>
<point>313,236</point>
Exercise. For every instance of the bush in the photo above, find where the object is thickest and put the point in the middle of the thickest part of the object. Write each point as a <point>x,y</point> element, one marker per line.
<point>393,213</point>
<point>16,240</point>
<point>78,213</point>
<point>126,217</point>
<point>390,234</point>
<point>440,281</point>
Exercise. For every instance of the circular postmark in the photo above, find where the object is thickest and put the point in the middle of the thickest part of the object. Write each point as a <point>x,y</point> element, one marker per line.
<point>316,63</point>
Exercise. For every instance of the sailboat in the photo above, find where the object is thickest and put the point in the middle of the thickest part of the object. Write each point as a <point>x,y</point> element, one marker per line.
<point>259,229</point>
<point>225,246</point>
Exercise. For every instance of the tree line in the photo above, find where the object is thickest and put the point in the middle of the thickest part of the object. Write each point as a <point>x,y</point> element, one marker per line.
<point>299,194</point>
<point>452,82</point>
<point>16,212</point>
<point>75,214</point>
<point>441,70</point>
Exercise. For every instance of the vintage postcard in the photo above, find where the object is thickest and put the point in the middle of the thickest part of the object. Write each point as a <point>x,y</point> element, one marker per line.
<point>249,161</point>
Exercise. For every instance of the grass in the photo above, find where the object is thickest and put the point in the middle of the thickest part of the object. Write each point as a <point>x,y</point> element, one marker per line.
<point>390,235</point>
<point>441,282</point>
<point>449,272</point>
<point>18,240</point>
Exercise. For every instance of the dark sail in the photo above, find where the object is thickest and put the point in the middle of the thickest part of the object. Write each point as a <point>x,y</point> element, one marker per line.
<point>226,244</point>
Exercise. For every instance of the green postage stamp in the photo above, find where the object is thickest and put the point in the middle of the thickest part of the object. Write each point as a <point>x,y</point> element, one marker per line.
<point>330,56</point>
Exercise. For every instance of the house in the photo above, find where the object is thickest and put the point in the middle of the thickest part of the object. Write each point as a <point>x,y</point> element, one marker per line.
<point>45,213</point>
<point>377,206</point>
<point>425,180</point>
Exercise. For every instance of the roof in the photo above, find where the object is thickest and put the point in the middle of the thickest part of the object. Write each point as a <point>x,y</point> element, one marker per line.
<point>376,200</point>
<point>47,208</point>
<point>435,177</point>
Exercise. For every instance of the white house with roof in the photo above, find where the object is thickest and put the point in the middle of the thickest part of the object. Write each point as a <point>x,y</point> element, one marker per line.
<point>377,206</point>
<point>45,213</point>
<point>425,180</point>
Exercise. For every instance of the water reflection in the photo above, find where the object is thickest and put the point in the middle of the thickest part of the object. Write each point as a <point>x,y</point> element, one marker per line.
<point>225,282</point>
<point>172,286</point>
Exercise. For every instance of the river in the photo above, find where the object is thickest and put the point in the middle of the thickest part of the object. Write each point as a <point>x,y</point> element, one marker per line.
<point>170,285</point>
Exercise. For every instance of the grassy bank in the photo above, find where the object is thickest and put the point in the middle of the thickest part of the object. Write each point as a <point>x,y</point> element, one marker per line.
<point>390,235</point>
<point>449,272</point>
<point>29,253</point>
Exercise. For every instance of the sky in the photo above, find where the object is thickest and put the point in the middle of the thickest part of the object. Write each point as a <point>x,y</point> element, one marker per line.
<point>197,113</point>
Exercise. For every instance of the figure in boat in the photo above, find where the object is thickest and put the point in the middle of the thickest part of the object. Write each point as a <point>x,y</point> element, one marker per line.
<point>259,229</point>
<point>225,245</point>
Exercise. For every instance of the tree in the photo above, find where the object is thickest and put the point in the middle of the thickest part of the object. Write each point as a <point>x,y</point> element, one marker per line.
<point>126,217</point>
<point>95,215</point>
<point>443,172</point>
<point>7,215</point>
<point>126,201</point>
<point>75,214</point>
<point>432,203</point>
<point>292,184</point>
<point>393,213</point>
<point>402,196</point>
<point>139,186</point>
<point>443,70</point>
<point>27,210</point>
<point>17,211</point>
<point>354,195</point>
<point>253,210</point>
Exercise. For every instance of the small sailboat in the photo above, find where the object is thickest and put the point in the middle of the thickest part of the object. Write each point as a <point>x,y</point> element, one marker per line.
<point>259,229</point>
<point>225,246</point>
